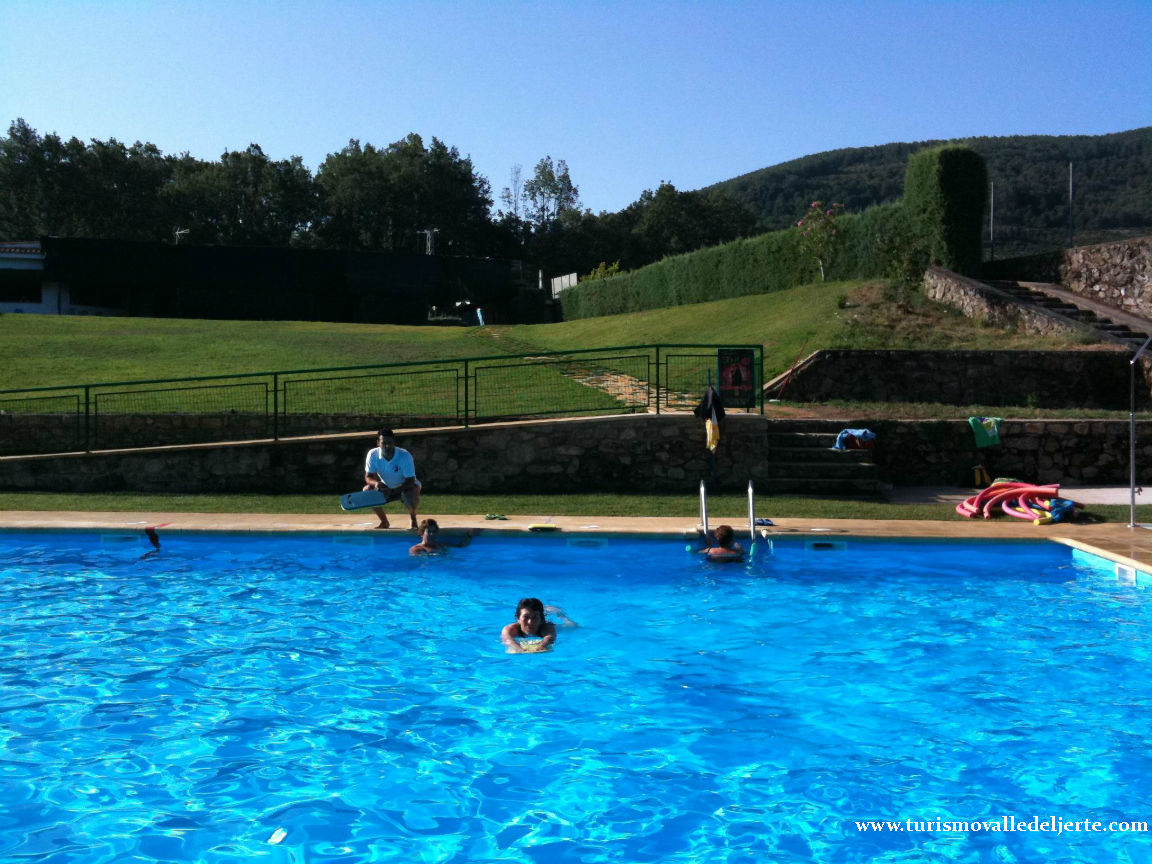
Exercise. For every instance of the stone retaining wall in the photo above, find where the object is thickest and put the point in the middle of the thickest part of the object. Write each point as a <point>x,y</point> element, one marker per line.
<point>59,433</point>
<point>636,453</point>
<point>1119,274</point>
<point>943,452</point>
<point>1039,379</point>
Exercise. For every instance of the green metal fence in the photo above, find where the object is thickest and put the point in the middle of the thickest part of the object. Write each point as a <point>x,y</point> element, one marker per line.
<point>629,379</point>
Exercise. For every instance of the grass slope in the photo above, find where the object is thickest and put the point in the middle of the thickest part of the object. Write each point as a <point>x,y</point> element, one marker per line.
<point>793,323</point>
<point>42,351</point>
<point>48,350</point>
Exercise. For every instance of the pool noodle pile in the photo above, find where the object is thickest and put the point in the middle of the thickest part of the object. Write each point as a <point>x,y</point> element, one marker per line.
<point>1040,504</point>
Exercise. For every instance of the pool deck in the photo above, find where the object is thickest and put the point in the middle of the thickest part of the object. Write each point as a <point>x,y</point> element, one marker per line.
<point>1116,541</point>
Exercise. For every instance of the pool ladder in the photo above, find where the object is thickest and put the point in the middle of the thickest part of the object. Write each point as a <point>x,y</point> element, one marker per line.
<point>752,535</point>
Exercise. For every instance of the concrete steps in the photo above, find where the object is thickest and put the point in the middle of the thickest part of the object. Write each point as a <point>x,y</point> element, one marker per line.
<point>1091,315</point>
<point>801,461</point>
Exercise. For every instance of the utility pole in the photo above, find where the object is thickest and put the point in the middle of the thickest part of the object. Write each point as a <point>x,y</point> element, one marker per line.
<point>1071,223</point>
<point>992,221</point>
<point>429,236</point>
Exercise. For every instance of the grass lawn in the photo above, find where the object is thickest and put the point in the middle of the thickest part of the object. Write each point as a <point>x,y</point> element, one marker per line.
<point>794,323</point>
<point>50,350</point>
<point>732,507</point>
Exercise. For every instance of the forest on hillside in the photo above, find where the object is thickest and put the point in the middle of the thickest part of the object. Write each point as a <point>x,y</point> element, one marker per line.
<point>417,196</point>
<point>1111,186</point>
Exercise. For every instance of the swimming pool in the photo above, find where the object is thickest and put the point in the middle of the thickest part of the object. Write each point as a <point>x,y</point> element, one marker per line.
<point>327,699</point>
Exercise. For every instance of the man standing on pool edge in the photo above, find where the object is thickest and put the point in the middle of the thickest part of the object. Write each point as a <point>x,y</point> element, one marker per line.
<point>391,470</point>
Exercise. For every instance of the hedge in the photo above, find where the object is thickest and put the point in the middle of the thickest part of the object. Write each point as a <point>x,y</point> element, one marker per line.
<point>885,241</point>
<point>868,244</point>
<point>945,190</point>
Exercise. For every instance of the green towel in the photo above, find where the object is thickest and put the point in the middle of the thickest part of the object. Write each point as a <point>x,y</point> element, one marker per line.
<point>986,431</point>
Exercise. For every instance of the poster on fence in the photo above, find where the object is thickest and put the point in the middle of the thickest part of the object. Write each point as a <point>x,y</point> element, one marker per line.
<point>737,377</point>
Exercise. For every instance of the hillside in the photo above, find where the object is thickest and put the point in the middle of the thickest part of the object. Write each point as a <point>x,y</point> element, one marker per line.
<point>1112,186</point>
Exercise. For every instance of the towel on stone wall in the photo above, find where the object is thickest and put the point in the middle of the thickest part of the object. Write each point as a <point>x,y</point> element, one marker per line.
<point>986,431</point>
<point>711,411</point>
<point>854,439</point>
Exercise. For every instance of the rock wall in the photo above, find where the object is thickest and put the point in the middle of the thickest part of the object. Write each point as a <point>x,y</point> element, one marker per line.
<point>635,453</point>
<point>626,453</point>
<point>62,432</point>
<point>1040,379</point>
<point>943,452</point>
<point>1119,274</point>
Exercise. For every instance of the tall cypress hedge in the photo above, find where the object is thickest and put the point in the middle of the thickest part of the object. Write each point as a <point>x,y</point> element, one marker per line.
<point>945,191</point>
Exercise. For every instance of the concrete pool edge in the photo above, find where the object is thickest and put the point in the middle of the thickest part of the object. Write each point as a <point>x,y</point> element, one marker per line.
<point>1131,547</point>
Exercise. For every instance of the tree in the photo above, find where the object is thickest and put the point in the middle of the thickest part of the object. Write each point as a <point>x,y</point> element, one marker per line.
<point>549,193</point>
<point>355,193</point>
<point>118,191</point>
<point>512,195</point>
<point>818,232</point>
<point>245,199</point>
<point>28,192</point>
<point>52,186</point>
<point>382,199</point>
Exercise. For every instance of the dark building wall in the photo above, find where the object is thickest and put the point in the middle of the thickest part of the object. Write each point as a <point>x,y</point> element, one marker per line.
<point>274,284</point>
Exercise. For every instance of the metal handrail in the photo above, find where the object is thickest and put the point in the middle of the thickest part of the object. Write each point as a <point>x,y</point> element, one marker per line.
<point>658,375</point>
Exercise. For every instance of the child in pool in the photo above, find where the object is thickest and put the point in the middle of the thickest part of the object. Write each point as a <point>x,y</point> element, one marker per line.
<point>531,626</point>
<point>431,543</point>
<point>726,548</point>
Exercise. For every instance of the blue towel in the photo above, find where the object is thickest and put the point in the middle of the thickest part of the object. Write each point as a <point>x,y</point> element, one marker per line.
<point>858,434</point>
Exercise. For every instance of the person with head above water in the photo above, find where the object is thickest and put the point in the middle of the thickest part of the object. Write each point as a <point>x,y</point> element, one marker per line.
<point>725,547</point>
<point>531,631</point>
<point>390,469</point>
<point>432,542</point>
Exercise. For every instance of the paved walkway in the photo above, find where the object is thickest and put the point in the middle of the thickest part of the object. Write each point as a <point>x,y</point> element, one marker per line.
<point>1083,494</point>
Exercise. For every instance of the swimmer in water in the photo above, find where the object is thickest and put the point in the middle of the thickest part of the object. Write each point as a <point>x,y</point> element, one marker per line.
<point>725,547</point>
<point>431,543</point>
<point>537,633</point>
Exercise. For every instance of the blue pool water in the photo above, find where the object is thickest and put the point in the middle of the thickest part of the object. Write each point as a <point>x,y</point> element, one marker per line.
<point>318,699</point>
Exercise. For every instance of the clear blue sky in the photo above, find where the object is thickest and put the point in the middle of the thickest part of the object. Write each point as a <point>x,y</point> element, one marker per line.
<point>629,93</point>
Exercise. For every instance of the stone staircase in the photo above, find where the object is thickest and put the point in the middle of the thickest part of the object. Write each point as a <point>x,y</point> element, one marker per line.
<point>1111,325</point>
<point>801,461</point>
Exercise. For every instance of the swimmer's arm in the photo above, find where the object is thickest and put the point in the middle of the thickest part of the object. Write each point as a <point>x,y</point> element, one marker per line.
<point>509,640</point>
<point>548,631</point>
<point>565,621</point>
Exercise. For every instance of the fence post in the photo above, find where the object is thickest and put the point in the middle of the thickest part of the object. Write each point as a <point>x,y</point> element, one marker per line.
<point>466,394</point>
<point>275,406</point>
<point>87,419</point>
<point>759,377</point>
<point>657,379</point>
